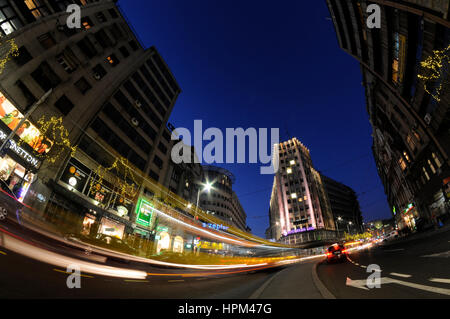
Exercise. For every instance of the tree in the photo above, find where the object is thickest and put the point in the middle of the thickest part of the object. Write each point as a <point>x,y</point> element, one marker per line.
<point>8,50</point>
<point>434,72</point>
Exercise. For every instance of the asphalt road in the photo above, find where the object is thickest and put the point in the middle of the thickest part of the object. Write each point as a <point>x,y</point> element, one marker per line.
<point>415,269</point>
<point>25,277</point>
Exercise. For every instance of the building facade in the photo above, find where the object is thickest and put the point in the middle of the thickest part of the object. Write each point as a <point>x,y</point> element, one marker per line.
<point>344,206</point>
<point>114,98</point>
<point>410,116</point>
<point>298,204</point>
<point>221,200</point>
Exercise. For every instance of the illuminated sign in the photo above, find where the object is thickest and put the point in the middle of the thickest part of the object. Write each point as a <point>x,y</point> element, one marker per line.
<point>295,231</point>
<point>144,212</point>
<point>11,116</point>
<point>215,226</point>
<point>20,151</point>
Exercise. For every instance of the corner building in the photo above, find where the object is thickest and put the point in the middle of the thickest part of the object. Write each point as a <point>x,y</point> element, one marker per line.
<point>114,97</point>
<point>411,139</point>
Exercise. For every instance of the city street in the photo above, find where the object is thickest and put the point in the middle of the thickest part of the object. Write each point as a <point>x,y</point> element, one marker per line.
<point>415,269</point>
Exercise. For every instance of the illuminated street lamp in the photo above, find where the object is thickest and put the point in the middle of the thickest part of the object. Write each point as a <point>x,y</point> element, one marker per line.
<point>207,187</point>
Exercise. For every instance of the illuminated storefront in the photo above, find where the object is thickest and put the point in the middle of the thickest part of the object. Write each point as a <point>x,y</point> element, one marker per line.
<point>408,217</point>
<point>178,244</point>
<point>111,228</point>
<point>163,242</point>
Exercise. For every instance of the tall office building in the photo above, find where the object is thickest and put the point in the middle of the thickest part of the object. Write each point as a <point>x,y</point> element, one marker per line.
<point>344,205</point>
<point>299,207</point>
<point>409,116</point>
<point>114,98</point>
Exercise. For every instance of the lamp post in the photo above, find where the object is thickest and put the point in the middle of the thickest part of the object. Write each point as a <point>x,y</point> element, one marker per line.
<point>348,228</point>
<point>207,187</point>
<point>337,225</point>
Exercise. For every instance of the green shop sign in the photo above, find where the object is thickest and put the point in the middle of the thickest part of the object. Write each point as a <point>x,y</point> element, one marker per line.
<point>144,212</point>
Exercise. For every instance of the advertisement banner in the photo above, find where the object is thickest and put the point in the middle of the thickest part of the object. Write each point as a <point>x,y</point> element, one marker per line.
<point>28,133</point>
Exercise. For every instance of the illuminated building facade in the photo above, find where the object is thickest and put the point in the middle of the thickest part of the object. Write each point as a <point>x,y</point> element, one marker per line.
<point>409,115</point>
<point>114,97</point>
<point>299,206</point>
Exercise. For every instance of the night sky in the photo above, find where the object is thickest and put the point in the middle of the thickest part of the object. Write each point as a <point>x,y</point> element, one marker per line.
<point>267,64</point>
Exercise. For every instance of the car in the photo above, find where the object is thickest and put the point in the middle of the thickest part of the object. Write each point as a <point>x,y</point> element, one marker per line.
<point>336,252</point>
<point>9,203</point>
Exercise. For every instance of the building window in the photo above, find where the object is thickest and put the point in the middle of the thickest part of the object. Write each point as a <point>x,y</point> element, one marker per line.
<point>64,105</point>
<point>402,163</point>
<point>426,173</point>
<point>37,8</point>
<point>113,13</point>
<point>68,60</point>
<point>83,85</point>
<point>158,162</point>
<point>436,159</point>
<point>30,98</point>
<point>46,41</point>
<point>9,22</point>
<point>162,148</point>
<point>87,48</point>
<point>98,72</point>
<point>101,17</point>
<point>133,45</point>
<point>112,60</point>
<point>45,77</point>
<point>24,56</point>
<point>124,51</point>
<point>155,176</point>
<point>103,39</point>
<point>86,23</point>
<point>432,167</point>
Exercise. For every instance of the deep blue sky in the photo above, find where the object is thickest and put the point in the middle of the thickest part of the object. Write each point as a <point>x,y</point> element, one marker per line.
<point>267,64</point>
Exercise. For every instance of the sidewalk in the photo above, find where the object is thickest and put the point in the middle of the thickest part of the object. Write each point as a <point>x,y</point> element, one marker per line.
<point>416,236</point>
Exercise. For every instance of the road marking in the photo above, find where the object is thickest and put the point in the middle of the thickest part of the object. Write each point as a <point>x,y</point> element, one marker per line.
<point>363,266</point>
<point>70,273</point>
<point>400,275</point>
<point>361,284</point>
<point>3,253</point>
<point>441,280</point>
<point>445,254</point>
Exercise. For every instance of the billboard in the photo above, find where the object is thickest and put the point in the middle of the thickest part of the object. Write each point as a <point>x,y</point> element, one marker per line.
<point>28,133</point>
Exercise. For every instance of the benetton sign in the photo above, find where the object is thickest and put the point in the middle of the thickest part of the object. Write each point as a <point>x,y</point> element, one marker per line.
<point>20,151</point>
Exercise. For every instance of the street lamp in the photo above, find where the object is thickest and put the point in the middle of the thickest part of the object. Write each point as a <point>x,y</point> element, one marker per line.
<point>337,224</point>
<point>349,223</point>
<point>206,187</point>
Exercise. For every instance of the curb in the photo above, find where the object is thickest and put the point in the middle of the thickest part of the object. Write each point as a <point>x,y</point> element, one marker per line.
<point>326,294</point>
<point>258,292</point>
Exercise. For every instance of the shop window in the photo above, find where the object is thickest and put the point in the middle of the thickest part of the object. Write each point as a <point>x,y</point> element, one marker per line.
<point>436,159</point>
<point>83,85</point>
<point>64,105</point>
<point>163,242</point>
